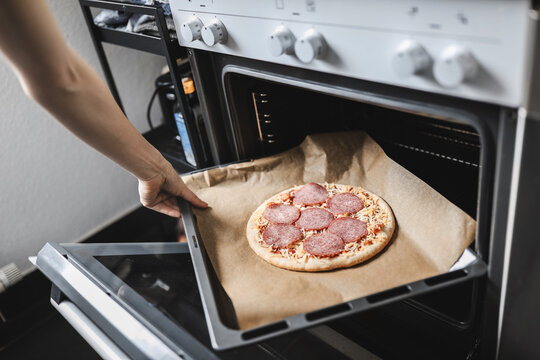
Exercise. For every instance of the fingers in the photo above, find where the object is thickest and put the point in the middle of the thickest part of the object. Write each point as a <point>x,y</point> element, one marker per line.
<point>152,198</point>
<point>192,198</point>
<point>149,191</point>
<point>180,189</point>
<point>159,193</point>
<point>167,207</point>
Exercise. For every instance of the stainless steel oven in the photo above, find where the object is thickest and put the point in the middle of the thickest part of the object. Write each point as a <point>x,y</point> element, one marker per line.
<point>450,90</point>
<point>446,88</point>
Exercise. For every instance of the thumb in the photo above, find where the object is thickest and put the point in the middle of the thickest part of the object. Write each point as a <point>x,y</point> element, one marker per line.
<point>180,189</point>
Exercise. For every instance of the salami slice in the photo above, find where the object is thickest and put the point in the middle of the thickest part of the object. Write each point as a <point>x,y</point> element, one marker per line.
<point>345,203</point>
<point>314,219</point>
<point>324,244</point>
<point>310,194</point>
<point>281,235</point>
<point>349,229</point>
<point>281,214</point>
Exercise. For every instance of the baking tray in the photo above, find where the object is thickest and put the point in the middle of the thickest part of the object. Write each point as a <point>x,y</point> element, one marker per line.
<point>220,315</point>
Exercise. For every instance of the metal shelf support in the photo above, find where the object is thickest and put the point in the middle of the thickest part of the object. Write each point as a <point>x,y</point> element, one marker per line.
<point>162,45</point>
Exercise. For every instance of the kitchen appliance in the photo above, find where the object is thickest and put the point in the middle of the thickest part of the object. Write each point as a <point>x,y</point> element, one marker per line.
<point>450,91</point>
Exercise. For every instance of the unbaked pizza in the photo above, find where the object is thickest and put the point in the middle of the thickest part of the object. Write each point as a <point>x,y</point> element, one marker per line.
<point>317,227</point>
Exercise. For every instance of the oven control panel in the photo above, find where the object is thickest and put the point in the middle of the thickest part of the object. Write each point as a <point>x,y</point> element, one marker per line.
<point>475,49</point>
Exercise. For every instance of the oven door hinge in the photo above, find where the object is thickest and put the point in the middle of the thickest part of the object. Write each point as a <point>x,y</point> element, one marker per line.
<point>473,353</point>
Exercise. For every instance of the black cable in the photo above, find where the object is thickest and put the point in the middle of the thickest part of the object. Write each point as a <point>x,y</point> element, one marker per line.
<point>152,98</point>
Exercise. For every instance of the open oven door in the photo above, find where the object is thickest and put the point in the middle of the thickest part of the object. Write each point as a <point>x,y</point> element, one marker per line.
<point>141,300</point>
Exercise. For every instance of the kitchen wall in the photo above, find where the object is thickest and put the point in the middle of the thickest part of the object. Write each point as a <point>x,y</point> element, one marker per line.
<point>53,187</point>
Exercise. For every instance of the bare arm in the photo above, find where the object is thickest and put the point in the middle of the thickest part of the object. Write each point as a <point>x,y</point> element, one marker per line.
<point>58,79</point>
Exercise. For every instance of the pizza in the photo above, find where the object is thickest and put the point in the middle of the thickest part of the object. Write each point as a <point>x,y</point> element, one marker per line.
<point>318,227</point>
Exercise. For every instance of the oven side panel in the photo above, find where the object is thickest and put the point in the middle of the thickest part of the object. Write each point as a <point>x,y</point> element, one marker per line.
<point>520,323</point>
<point>519,271</point>
<point>505,145</point>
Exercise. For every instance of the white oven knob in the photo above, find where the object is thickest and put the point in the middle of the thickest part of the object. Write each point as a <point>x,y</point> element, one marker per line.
<point>214,32</point>
<point>310,46</point>
<point>191,29</point>
<point>410,58</point>
<point>455,66</point>
<point>280,41</point>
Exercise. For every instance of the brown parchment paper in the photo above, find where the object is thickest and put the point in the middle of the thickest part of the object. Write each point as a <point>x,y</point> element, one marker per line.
<point>430,235</point>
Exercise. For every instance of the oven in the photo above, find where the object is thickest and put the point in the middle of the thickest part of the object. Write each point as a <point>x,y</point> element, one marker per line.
<point>449,144</point>
<point>286,69</point>
<point>450,91</point>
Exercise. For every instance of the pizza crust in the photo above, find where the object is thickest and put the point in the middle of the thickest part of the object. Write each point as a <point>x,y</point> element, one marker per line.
<point>313,263</point>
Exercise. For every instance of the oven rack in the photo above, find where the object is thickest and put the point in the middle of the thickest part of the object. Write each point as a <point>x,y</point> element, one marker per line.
<point>457,143</point>
<point>436,154</point>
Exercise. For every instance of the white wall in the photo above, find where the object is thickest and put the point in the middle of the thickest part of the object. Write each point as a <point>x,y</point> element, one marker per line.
<point>53,187</point>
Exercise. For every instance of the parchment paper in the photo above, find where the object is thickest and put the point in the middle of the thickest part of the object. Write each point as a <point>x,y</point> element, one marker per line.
<point>431,232</point>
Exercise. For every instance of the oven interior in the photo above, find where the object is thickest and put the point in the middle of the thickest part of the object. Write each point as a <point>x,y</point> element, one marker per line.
<point>269,117</point>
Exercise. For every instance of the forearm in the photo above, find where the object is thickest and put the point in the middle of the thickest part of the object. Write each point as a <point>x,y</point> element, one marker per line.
<point>64,84</point>
<point>83,104</point>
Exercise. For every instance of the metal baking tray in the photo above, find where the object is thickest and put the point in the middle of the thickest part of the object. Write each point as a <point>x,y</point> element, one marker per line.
<point>220,315</point>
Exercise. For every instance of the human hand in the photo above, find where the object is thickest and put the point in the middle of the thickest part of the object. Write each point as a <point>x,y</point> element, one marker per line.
<point>159,192</point>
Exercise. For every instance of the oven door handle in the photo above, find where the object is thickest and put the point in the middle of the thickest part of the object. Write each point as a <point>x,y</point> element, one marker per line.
<point>93,335</point>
